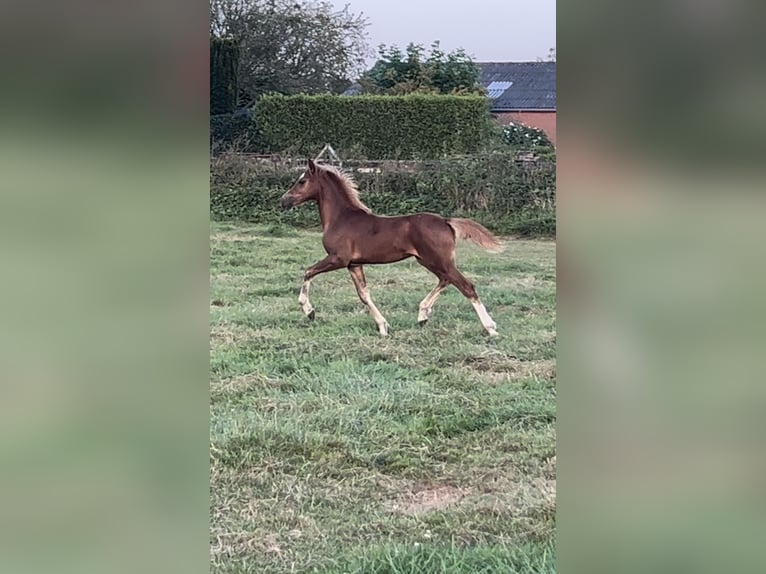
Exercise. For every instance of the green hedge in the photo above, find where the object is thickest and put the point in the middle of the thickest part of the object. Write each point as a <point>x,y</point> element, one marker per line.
<point>507,197</point>
<point>391,127</point>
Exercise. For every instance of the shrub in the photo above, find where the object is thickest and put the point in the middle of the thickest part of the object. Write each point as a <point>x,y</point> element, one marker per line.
<point>234,132</point>
<point>505,196</point>
<point>393,127</point>
<point>520,136</point>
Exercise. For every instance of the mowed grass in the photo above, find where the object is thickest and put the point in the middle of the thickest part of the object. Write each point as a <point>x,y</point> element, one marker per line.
<point>334,449</point>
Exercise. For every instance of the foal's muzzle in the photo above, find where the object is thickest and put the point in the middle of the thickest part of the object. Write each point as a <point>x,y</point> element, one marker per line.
<point>286,202</point>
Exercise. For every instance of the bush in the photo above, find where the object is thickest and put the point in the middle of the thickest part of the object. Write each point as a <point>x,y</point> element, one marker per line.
<point>391,127</point>
<point>519,136</point>
<point>505,196</point>
<point>234,132</point>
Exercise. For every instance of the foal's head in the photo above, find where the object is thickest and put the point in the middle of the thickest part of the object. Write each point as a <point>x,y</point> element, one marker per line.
<point>305,189</point>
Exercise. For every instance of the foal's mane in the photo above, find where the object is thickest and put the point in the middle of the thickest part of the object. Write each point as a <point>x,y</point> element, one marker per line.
<point>346,185</point>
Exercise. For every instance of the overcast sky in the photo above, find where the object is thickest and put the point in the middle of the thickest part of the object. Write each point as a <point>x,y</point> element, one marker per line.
<point>489,30</point>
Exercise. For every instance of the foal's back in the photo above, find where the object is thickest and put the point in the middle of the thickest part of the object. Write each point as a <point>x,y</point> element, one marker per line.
<point>367,238</point>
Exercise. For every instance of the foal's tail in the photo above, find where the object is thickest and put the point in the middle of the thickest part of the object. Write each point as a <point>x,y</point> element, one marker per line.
<point>472,231</point>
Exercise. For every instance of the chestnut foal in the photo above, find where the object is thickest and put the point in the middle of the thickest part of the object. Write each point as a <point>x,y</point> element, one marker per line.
<point>353,236</point>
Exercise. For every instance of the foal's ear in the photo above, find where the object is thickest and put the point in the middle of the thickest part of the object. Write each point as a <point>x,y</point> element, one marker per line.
<point>312,167</point>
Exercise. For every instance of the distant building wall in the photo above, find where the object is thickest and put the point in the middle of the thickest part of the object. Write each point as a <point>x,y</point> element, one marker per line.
<point>544,120</point>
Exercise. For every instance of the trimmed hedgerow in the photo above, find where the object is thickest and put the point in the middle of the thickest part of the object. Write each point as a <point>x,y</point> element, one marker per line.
<point>369,126</point>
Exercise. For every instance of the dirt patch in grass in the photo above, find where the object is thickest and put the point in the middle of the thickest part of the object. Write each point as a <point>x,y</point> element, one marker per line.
<point>240,384</point>
<point>427,499</point>
<point>255,543</point>
<point>496,370</point>
<point>523,283</point>
<point>231,237</point>
<point>231,334</point>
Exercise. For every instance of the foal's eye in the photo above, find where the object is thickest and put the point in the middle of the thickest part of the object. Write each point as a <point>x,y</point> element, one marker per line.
<point>301,182</point>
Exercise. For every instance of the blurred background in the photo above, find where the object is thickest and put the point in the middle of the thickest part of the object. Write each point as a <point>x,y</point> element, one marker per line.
<point>660,281</point>
<point>103,337</point>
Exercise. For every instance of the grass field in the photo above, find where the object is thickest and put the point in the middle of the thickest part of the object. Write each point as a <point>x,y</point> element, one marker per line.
<point>336,450</point>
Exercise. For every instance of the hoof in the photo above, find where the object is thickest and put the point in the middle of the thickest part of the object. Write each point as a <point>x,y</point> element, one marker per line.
<point>311,315</point>
<point>492,333</point>
<point>422,322</point>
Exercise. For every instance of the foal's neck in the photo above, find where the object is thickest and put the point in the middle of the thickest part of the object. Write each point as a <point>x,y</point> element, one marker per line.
<point>331,204</point>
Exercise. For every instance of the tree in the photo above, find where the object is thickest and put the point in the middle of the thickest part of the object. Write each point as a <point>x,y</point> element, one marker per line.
<point>290,47</point>
<point>551,56</point>
<point>398,72</point>
<point>224,63</point>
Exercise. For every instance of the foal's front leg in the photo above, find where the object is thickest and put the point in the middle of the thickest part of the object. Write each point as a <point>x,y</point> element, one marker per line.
<point>360,282</point>
<point>329,263</point>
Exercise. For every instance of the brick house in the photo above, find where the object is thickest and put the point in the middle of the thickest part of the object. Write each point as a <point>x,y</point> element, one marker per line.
<point>522,92</point>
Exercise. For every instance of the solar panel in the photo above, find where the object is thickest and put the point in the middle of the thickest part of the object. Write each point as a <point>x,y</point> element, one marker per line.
<point>496,89</point>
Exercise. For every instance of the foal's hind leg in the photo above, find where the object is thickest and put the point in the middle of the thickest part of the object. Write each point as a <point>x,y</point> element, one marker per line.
<point>426,305</point>
<point>357,276</point>
<point>445,269</point>
<point>467,288</point>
